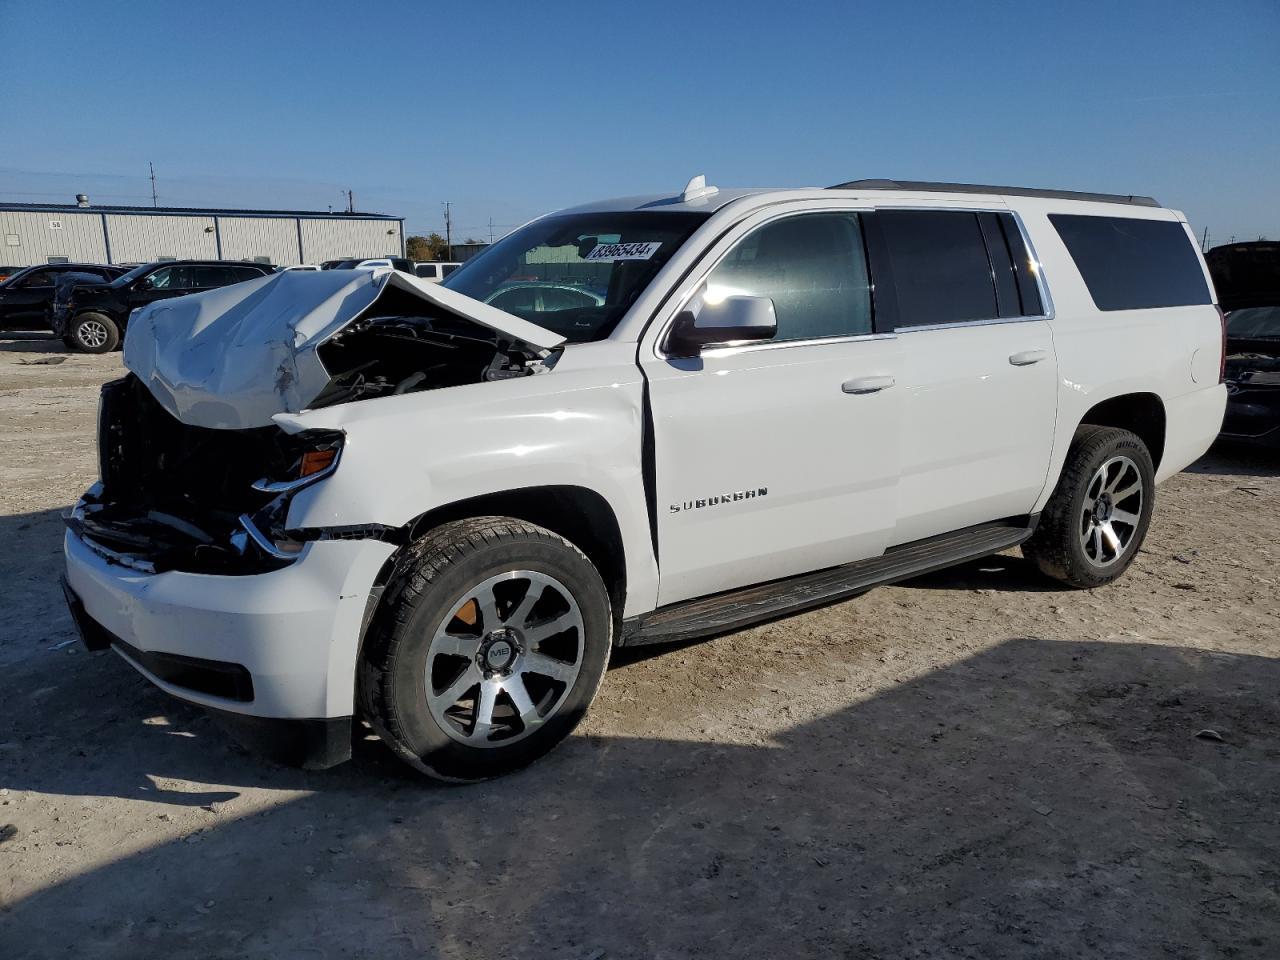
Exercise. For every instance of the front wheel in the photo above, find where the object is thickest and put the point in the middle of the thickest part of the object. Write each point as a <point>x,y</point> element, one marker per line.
<point>1098,515</point>
<point>490,644</point>
<point>93,333</point>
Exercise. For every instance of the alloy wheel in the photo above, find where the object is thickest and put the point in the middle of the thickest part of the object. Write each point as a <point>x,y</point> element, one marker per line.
<point>504,660</point>
<point>91,334</point>
<point>1112,511</point>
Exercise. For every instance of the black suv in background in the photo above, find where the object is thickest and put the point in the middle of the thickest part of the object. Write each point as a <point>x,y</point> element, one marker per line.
<point>93,318</point>
<point>25,296</point>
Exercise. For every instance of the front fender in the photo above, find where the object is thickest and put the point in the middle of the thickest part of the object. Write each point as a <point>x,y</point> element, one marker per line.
<point>579,425</point>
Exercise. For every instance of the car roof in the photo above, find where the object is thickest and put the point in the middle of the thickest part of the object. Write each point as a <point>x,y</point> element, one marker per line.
<point>72,266</point>
<point>711,199</point>
<point>665,203</point>
<point>206,263</point>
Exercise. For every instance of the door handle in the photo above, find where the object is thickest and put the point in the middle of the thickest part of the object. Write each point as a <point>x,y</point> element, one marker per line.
<point>1027,357</point>
<point>859,385</point>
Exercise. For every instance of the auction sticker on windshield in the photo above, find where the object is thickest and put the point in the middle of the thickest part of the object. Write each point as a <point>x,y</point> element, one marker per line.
<point>623,251</point>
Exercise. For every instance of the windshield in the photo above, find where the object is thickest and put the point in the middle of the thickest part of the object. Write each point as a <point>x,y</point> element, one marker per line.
<point>575,275</point>
<point>1254,322</point>
<point>134,274</point>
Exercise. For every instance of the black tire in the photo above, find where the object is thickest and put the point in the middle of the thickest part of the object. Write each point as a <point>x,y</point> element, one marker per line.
<point>436,574</point>
<point>1063,546</point>
<point>93,332</point>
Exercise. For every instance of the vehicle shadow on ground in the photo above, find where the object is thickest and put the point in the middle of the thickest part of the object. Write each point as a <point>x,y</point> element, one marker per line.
<point>32,614</point>
<point>1234,459</point>
<point>31,342</point>
<point>1041,798</point>
<point>1003,572</point>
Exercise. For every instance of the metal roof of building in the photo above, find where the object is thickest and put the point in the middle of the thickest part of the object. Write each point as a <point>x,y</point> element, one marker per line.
<point>6,206</point>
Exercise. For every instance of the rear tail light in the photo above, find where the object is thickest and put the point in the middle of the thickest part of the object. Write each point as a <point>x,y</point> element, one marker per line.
<point>1222,364</point>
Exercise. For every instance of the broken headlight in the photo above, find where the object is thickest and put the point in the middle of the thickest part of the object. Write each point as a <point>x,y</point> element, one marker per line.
<point>316,455</point>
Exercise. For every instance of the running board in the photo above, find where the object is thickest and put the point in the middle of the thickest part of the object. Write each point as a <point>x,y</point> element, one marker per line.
<point>735,609</point>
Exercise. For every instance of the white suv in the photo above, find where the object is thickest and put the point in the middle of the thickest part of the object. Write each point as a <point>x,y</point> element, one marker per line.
<point>337,495</point>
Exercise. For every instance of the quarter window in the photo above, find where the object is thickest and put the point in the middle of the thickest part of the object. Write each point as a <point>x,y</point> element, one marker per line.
<point>939,265</point>
<point>814,269</point>
<point>1133,264</point>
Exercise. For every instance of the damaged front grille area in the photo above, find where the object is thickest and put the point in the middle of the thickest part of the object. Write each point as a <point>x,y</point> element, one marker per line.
<point>176,497</point>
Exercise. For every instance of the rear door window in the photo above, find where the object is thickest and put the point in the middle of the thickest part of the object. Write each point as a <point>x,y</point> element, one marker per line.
<point>938,267</point>
<point>1133,264</point>
<point>812,266</point>
<point>211,276</point>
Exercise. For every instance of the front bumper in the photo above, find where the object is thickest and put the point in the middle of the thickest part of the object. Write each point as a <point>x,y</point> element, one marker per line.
<point>275,646</point>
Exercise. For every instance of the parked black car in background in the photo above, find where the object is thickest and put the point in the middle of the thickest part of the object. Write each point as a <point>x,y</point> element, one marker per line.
<point>1247,278</point>
<point>26,296</point>
<point>93,318</point>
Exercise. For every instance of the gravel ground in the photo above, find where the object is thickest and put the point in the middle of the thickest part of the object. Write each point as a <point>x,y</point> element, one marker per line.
<point>972,764</point>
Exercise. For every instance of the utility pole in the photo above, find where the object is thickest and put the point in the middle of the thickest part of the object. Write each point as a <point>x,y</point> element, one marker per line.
<point>351,201</point>
<point>152,167</point>
<point>491,230</point>
<point>448,231</point>
<point>1204,241</point>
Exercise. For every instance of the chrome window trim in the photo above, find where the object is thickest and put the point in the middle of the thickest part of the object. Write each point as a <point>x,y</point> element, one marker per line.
<point>749,347</point>
<point>661,353</point>
<point>993,321</point>
<point>1048,312</point>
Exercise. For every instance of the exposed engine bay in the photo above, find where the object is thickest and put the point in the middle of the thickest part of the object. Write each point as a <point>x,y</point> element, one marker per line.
<point>390,355</point>
<point>1252,366</point>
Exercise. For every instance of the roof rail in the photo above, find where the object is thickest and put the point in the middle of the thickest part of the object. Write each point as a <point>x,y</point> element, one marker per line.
<point>925,186</point>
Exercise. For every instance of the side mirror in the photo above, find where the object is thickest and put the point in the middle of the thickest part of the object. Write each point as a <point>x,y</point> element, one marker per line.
<point>731,320</point>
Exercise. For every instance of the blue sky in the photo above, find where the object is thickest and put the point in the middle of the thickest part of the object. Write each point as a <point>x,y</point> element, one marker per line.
<point>512,109</point>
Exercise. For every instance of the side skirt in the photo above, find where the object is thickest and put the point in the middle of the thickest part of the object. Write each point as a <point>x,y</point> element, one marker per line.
<point>735,609</point>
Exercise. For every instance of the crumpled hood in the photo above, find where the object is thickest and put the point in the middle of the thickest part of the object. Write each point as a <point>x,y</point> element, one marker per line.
<point>234,357</point>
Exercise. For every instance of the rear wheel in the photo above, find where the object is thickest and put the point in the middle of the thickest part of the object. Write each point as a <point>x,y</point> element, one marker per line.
<point>1098,515</point>
<point>490,644</point>
<point>93,333</point>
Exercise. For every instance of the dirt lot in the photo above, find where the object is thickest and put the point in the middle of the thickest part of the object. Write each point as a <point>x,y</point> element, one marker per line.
<point>972,765</point>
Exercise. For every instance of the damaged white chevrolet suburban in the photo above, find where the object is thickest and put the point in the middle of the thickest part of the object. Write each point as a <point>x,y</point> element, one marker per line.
<point>338,496</point>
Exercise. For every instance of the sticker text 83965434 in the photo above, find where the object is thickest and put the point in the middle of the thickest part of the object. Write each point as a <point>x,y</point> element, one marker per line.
<point>623,251</point>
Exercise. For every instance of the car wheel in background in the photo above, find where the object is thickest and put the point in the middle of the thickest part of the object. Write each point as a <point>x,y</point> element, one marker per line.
<point>93,333</point>
<point>1098,515</point>
<point>489,645</point>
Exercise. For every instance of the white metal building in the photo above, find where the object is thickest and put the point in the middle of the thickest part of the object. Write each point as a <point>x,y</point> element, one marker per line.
<point>34,233</point>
